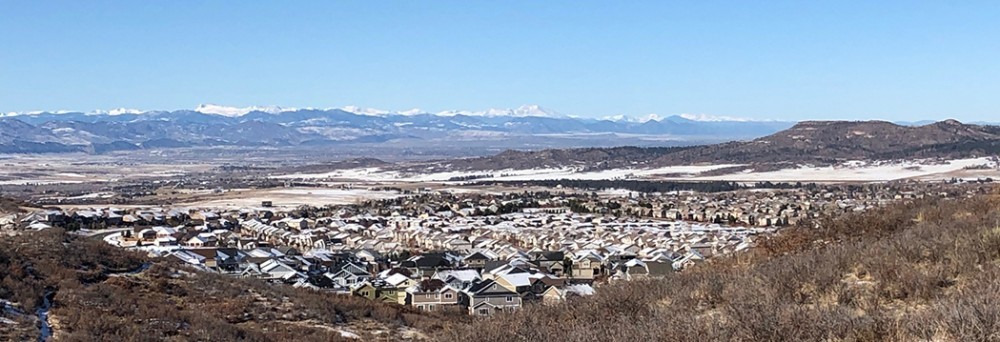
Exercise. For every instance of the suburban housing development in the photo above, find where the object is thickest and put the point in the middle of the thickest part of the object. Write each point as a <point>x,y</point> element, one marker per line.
<point>478,253</point>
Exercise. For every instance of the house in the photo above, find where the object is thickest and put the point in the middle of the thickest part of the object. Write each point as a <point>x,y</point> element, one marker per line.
<point>631,269</point>
<point>277,270</point>
<point>586,266</point>
<point>365,290</point>
<point>457,244</point>
<point>487,298</point>
<point>540,285</point>
<point>478,259</point>
<point>226,260</point>
<point>550,261</point>
<point>164,231</point>
<point>350,275</point>
<point>399,282</point>
<point>201,240</point>
<point>459,279</point>
<point>518,282</point>
<point>387,293</point>
<point>426,264</point>
<point>147,235</point>
<point>557,294</point>
<point>431,294</point>
<point>165,241</point>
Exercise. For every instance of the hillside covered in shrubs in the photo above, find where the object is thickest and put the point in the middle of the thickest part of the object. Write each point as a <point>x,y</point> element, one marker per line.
<point>97,290</point>
<point>927,271</point>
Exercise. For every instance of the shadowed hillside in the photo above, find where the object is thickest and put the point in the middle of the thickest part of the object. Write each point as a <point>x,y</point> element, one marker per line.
<point>100,292</point>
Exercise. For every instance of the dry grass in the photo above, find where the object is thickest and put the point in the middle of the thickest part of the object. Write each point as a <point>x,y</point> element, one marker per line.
<point>170,302</point>
<point>880,276</point>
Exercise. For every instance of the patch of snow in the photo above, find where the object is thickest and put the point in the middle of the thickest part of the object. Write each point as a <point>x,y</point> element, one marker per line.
<point>713,118</point>
<point>116,111</point>
<point>376,174</point>
<point>627,118</point>
<point>93,195</point>
<point>236,111</point>
<point>381,112</point>
<point>39,181</point>
<point>36,112</point>
<point>348,334</point>
<point>522,111</point>
<point>856,171</point>
<point>581,289</point>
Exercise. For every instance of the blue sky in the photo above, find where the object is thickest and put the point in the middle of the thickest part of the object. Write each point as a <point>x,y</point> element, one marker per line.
<point>789,60</point>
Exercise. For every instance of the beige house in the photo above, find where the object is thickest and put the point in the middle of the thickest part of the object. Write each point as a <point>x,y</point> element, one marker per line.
<point>431,294</point>
<point>586,266</point>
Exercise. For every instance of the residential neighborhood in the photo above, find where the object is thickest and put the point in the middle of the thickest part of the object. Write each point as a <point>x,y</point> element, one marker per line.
<point>476,253</point>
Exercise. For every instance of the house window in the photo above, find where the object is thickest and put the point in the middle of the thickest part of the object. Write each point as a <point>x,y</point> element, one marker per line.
<point>510,299</point>
<point>484,312</point>
<point>448,296</point>
<point>430,307</point>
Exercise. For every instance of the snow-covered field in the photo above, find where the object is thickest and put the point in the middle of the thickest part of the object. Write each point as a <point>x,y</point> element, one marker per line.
<point>294,197</point>
<point>865,172</point>
<point>854,171</point>
<point>39,181</point>
<point>376,174</point>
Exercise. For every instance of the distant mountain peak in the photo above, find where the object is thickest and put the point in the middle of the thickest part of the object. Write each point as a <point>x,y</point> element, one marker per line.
<point>638,119</point>
<point>522,111</point>
<point>678,118</point>
<point>236,111</point>
<point>380,112</point>
<point>117,111</point>
<point>950,122</point>
<point>713,118</point>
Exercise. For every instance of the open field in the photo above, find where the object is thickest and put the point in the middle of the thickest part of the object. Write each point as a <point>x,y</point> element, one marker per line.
<point>847,172</point>
<point>869,173</point>
<point>293,197</point>
<point>71,180</point>
<point>81,168</point>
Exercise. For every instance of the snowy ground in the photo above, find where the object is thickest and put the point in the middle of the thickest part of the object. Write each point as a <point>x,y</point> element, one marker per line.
<point>376,174</point>
<point>115,240</point>
<point>294,197</point>
<point>866,172</point>
<point>854,171</point>
<point>75,168</point>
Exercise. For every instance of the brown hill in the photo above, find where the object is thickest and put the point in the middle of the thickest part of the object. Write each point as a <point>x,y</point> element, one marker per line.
<point>585,158</point>
<point>806,142</point>
<point>100,292</point>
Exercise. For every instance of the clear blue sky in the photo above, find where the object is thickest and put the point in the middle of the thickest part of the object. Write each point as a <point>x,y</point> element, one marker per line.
<point>896,60</point>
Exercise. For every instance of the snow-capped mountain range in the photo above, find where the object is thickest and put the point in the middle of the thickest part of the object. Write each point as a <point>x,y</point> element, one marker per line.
<point>216,125</point>
<point>522,111</point>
